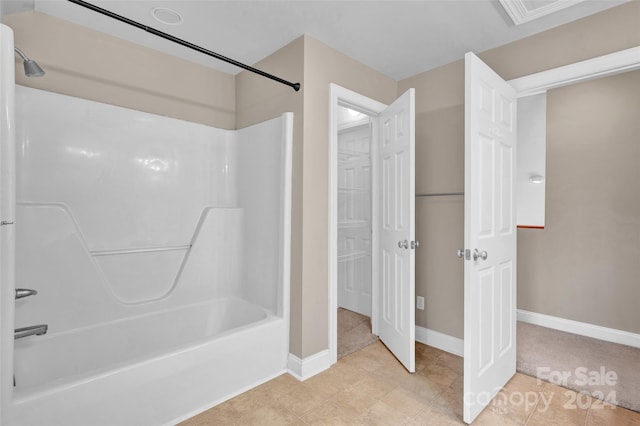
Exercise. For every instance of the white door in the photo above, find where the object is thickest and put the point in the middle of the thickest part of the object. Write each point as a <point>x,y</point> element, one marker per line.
<point>396,175</point>
<point>354,218</point>
<point>489,236</point>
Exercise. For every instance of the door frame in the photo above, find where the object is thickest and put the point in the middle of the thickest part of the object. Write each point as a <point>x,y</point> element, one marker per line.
<point>340,96</point>
<point>577,72</point>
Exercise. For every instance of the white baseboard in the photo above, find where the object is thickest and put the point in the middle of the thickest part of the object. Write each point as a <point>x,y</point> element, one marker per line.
<point>581,328</point>
<point>440,341</point>
<point>302,369</point>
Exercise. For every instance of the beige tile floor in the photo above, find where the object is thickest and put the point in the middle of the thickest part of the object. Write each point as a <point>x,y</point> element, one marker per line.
<point>370,387</point>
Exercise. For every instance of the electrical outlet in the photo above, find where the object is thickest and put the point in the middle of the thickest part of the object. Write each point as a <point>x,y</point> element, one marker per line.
<point>420,303</point>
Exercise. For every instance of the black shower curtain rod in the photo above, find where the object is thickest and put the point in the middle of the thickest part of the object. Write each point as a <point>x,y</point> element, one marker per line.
<point>295,86</point>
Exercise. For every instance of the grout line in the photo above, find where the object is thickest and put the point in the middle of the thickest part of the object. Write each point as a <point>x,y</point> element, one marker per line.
<point>586,417</point>
<point>526,422</point>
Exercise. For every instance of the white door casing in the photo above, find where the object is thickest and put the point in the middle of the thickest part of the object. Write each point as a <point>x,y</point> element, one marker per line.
<point>396,157</point>
<point>489,236</point>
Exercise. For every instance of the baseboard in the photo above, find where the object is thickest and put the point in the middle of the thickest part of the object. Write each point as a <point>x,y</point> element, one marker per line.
<point>302,369</point>
<point>581,328</point>
<point>440,341</point>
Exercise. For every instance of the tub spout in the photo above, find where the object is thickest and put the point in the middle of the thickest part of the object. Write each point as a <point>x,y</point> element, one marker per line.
<point>24,292</point>
<point>34,330</point>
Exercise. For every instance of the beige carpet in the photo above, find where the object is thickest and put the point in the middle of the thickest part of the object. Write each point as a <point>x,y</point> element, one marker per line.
<point>605,370</point>
<point>354,332</point>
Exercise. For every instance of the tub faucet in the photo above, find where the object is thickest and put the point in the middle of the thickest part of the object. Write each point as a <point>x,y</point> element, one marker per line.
<point>24,292</point>
<point>34,330</point>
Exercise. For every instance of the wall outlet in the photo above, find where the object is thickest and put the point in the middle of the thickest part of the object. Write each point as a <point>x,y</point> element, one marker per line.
<point>420,303</point>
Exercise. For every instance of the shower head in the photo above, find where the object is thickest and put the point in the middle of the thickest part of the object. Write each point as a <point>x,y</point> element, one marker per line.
<point>31,67</point>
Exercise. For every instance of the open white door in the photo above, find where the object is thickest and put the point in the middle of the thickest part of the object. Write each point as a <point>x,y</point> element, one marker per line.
<point>489,236</point>
<point>397,229</point>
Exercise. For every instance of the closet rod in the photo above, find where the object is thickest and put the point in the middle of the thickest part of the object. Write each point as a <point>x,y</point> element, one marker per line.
<point>440,194</point>
<point>295,86</point>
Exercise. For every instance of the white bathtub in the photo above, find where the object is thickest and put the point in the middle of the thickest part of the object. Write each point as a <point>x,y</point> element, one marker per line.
<point>160,250</point>
<point>159,368</point>
<point>55,361</point>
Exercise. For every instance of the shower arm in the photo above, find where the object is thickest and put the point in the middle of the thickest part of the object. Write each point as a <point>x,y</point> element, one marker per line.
<point>20,53</point>
<point>295,86</point>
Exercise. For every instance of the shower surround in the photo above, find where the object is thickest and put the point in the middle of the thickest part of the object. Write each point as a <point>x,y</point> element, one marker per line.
<point>160,252</point>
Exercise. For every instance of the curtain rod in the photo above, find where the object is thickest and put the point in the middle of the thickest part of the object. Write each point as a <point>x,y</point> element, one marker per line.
<point>295,86</point>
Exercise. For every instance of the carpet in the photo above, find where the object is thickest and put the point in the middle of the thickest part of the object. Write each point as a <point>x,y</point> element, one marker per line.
<point>605,370</point>
<point>354,332</point>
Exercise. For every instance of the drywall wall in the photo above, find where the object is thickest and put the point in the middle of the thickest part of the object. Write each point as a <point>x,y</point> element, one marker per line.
<point>320,65</point>
<point>439,219</point>
<point>324,65</point>
<point>585,264</point>
<point>440,163</point>
<point>88,64</point>
<point>259,99</point>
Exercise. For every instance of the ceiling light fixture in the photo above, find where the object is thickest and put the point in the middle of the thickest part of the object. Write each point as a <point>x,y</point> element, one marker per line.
<point>167,16</point>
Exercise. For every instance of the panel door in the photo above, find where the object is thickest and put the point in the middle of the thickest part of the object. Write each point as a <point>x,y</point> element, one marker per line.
<point>490,236</point>
<point>397,229</point>
<point>354,219</point>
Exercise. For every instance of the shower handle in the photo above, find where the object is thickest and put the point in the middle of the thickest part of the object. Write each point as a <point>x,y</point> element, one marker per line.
<point>24,292</point>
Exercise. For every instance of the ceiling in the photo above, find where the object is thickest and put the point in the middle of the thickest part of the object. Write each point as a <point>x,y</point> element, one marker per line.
<point>397,38</point>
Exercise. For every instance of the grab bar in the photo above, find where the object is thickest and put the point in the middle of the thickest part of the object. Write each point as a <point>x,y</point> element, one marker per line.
<point>33,330</point>
<point>138,250</point>
<point>24,292</point>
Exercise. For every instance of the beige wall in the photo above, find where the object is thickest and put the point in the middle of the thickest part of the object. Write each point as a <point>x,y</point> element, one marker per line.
<point>92,65</point>
<point>315,65</point>
<point>439,220</point>
<point>605,32</point>
<point>439,150</point>
<point>585,264</point>
<point>324,65</point>
<point>259,99</point>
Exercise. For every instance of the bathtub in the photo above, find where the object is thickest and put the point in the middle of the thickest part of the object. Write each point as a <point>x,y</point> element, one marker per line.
<point>160,250</point>
<point>130,373</point>
<point>54,362</point>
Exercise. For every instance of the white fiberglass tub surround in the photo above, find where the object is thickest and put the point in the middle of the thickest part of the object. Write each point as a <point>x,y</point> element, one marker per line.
<point>159,249</point>
<point>7,215</point>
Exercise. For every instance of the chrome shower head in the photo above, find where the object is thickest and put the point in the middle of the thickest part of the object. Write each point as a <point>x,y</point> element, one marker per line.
<point>31,67</point>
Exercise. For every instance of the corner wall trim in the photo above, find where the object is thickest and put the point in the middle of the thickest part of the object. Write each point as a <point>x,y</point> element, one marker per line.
<point>580,328</point>
<point>303,369</point>
<point>440,341</point>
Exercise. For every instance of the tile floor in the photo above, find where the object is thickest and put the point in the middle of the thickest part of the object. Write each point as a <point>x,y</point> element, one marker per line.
<point>370,387</point>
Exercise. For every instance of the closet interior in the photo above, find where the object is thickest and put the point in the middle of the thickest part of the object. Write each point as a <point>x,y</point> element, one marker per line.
<point>354,211</point>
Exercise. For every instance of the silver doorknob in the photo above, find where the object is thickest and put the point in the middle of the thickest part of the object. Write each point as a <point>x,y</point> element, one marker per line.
<point>415,244</point>
<point>460,253</point>
<point>403,244</point>
<point>479,255</point>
